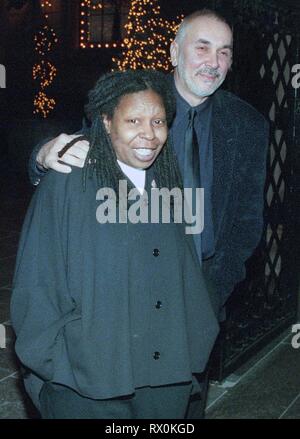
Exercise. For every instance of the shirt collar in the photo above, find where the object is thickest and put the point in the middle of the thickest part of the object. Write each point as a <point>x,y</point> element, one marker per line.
<point>137,176</point>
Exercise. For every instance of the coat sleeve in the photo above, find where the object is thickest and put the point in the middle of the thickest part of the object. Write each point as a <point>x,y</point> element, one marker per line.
<point>35,174</point>
<point>41,304</point>
<point>247,227</point>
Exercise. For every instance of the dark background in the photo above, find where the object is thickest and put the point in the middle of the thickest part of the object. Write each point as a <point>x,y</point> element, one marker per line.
<point>79,69</point>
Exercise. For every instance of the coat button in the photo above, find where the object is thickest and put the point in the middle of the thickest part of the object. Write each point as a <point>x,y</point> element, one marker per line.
<point>158,304</point>
<point>156,252</point>
<point>156,355</point>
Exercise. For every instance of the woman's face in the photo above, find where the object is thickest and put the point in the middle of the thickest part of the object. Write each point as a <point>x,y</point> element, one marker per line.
<point>138,128</point>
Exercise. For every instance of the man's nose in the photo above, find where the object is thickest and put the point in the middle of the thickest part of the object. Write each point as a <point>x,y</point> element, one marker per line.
<point>213,59</point>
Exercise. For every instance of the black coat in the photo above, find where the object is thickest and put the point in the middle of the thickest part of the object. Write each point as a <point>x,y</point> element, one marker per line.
<point>240,140</point>
<point>106,308</point>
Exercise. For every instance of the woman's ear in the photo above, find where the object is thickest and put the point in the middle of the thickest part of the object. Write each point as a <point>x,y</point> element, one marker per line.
<point>107,123</point>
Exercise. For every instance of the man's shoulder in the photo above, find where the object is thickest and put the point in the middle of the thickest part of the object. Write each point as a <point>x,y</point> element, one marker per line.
<point>238,106</point>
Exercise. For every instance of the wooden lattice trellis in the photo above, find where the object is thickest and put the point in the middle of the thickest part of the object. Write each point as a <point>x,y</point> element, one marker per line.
<point>266,302</point>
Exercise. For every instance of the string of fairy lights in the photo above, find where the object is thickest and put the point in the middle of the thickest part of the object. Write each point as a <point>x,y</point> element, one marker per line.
<point>139,25</point>
<point>46,4</point>
<point>86,8</point>
<point>43,71</point>
<point>146,44</point>
<point>148,38</point>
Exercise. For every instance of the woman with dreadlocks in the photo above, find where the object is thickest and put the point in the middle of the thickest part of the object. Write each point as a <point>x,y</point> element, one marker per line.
<point>112,317</point>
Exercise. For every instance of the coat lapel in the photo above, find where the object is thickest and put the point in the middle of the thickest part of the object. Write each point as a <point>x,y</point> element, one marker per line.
<point>224,134</point>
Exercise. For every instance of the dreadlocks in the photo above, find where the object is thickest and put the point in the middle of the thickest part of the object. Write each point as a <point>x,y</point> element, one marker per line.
<point>103,100</point>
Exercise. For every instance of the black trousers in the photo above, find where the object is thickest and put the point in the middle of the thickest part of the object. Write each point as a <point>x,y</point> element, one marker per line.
<point>198,400</point>
<point>164,402</point>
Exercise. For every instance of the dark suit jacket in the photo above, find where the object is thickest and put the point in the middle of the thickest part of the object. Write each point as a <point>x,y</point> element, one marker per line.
<point>240,140</point>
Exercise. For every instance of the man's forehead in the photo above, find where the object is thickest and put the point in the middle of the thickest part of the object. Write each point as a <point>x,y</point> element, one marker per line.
<point>208,29</point>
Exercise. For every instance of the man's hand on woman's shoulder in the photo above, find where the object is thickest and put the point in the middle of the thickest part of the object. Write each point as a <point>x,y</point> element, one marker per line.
<point>47,157</point>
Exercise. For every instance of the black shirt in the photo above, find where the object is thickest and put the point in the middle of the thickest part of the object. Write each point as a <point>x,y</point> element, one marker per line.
<point>203,128</point>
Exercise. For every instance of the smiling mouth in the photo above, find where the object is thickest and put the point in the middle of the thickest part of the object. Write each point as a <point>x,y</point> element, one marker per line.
<point>144,154</point>
<point>208,77</point>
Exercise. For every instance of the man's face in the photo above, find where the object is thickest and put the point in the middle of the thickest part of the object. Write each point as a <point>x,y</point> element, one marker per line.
<point>202,59</point>
<point>138,128</point>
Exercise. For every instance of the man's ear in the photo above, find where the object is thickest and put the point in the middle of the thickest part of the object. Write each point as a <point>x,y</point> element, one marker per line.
<point>107,123</point>
<point>174,53</point>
